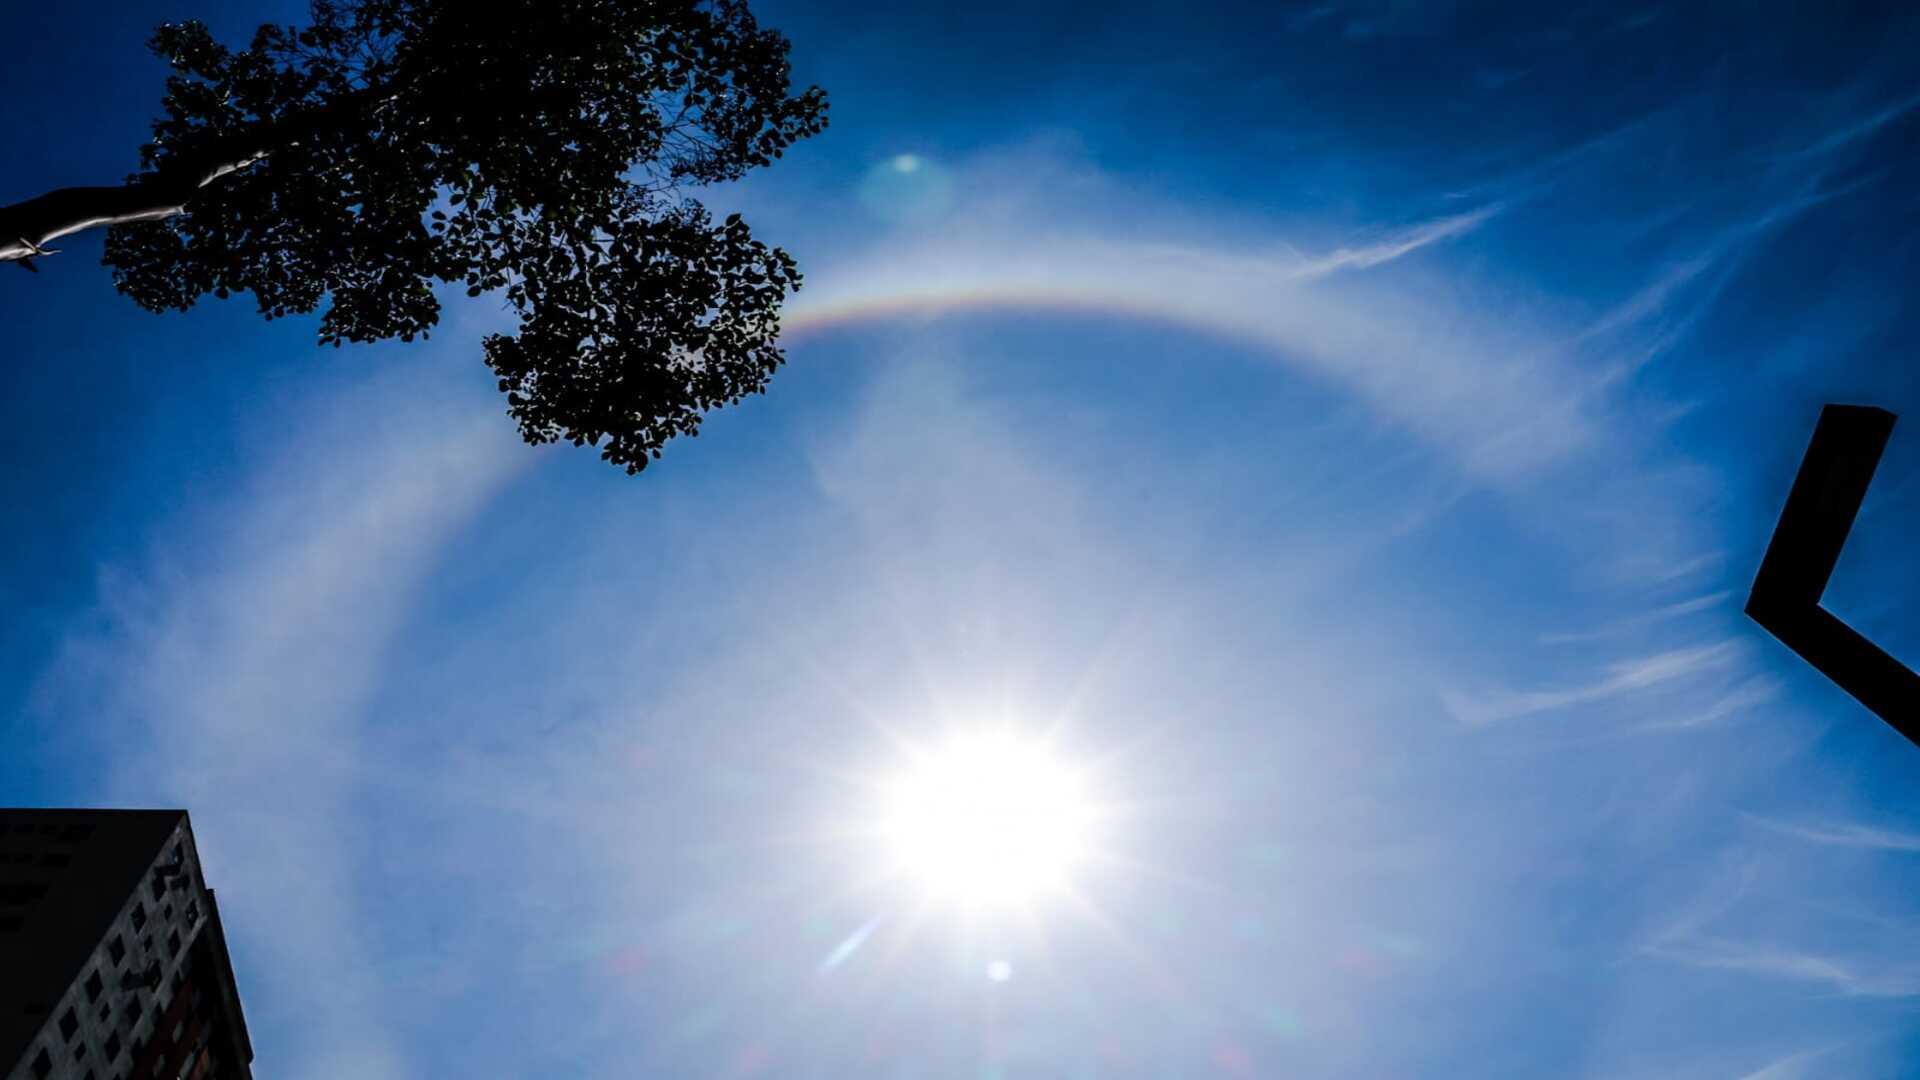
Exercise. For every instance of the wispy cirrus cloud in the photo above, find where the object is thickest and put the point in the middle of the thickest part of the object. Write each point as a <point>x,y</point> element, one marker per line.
<point>1621,678</point>
<point>1851,975</point>
<point>1798,1066</point>
<point>1747,694</point>
<point>1642,620</point>
<point>1855,130</point>
<point>242,657</point>
<point>1756,914</point>
<point>1396,244</point>
<point>1845,834</point>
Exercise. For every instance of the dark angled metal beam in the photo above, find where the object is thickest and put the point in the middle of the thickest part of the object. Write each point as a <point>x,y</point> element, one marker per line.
<point>1820,509</point>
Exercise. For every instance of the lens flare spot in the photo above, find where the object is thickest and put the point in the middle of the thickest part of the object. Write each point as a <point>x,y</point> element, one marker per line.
<point>907,188</point>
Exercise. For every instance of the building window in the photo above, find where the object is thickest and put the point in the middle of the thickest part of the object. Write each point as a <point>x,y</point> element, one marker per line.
<point>69,1023</point>
<point>159,887</point>
<point>94,986</point>
<point>193,912</point>
<point>173,943</point>
<point>139,915</point>
<point>106,1010</point>
<point>79,1052</point>
<point>117,948</point>
<point>133,1013</point>
<point>42,1065</point>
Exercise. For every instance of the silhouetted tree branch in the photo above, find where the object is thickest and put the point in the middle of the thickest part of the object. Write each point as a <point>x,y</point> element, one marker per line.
<point>27,227</point>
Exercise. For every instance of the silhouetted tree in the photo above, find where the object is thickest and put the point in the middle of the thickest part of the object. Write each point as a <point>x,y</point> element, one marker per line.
<point>541,148</point>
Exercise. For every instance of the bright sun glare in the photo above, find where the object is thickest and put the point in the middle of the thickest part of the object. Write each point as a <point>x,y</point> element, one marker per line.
<point>986,819</point>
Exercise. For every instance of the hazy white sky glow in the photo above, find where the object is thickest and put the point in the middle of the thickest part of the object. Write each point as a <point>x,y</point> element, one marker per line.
<point>1240,577</point>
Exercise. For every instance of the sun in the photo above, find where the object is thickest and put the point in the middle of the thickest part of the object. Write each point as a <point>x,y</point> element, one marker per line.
<point>986,820</point>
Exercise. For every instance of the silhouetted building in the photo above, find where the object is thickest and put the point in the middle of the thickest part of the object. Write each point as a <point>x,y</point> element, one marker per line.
<point>112,962</point>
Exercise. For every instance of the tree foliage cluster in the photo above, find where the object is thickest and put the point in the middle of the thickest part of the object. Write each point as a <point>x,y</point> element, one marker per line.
<point>540,150</point>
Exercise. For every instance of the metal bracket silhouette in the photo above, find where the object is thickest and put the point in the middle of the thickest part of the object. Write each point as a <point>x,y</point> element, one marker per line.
<point>1826,496</point>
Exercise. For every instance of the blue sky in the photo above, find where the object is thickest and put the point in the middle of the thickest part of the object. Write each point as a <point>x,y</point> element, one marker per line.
<point>1347,432</point>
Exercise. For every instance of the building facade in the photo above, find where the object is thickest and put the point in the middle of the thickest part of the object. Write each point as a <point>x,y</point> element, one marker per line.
<point>113,965</point>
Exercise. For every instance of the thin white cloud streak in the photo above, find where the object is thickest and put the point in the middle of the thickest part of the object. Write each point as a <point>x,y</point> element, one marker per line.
<point>1793,1067</point>
<point>1750,693</point>
<point>1843,834</point>
<point>240,670</point>
<point>1397,245</point>
<point>1650,303</point>
<point>1653,297</point>
<point>1621,678</point>
<point>1664,613</point>
<point>1857,130</point>
<point>1882,968</point>
<point>1846,975</point>
<point>1665,310</point>
<point>1693,566</point>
